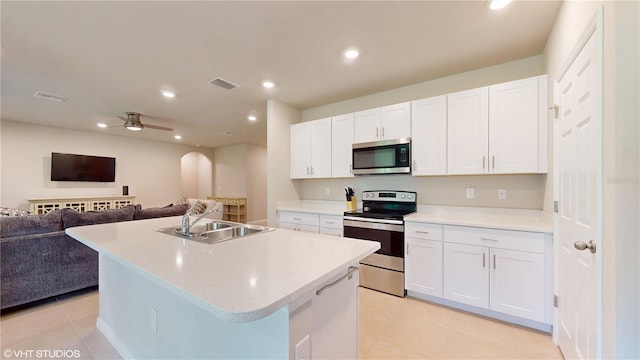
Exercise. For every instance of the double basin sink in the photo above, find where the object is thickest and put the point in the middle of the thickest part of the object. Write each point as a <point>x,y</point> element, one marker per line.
<point>216,231</point>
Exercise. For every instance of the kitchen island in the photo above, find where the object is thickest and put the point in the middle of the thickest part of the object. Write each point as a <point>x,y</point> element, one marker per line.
<point>162,296</point>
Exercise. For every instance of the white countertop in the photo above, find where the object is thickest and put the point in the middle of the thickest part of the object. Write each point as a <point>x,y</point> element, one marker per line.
<point>496,218</point>
<point>506,219</point>
<point>239,280</point>
<point>315,206</point>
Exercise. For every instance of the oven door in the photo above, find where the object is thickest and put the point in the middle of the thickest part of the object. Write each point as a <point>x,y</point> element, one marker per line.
<point>389,233</point>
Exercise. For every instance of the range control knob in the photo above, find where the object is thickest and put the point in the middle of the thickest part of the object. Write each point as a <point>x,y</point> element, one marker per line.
<point>403,196</point>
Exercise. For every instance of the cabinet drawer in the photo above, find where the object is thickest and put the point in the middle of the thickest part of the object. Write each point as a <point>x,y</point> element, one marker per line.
<point>331,231</point>
<point>331,221</point>
<point>299,218</point>
<point>423,231</point>
<point>495,238</point>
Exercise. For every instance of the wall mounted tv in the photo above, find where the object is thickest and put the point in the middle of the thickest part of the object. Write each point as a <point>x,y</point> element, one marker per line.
<point>71,167</point>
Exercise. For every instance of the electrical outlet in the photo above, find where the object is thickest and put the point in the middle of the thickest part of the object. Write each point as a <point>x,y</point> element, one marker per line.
<point>153,320</point>
<point>303,349</point>
<point>502,194</point>
<point>470,193</point>
<point>327,191</point>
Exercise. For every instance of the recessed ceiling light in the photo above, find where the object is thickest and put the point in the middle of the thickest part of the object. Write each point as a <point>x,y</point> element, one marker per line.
<point>177,137</point>
<point>102,125</point>
<point>252,118</point>
<point>268,84</point>
<point>227,132</point>
<point>498,4</point>
<point>351,53</point>
<point>168,93</point>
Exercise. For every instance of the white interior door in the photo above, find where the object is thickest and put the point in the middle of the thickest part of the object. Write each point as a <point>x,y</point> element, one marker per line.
<point>579,168</point>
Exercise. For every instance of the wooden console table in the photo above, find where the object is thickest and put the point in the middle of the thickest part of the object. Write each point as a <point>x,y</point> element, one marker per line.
<point>41,206</point>
<point>235,208</point>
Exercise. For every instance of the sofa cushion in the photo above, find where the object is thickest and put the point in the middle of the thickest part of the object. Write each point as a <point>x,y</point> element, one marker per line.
<point>71,218</point>
<point>32,224</point>
<point>171,210</point>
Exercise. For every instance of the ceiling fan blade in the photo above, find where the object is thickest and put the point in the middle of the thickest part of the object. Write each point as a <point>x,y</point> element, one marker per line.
<point>121,118</point>
<point>157,127</point>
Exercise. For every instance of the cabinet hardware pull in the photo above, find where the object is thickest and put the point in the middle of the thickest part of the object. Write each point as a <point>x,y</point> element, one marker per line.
<point>297,219</point>
<point>422,232</point>
<point>494,261</point>
<point>383,132</point>
<point>487,239</point>
<point>414,164</point>
<point>407,248</point>
<point>483,259</point>
<point>482,162</point>
<point>493,158</point>
<point>351,168</point>
<point>347,275</point>
<point>312,170</point>
<point>307,170</point>
<point>330,222</point>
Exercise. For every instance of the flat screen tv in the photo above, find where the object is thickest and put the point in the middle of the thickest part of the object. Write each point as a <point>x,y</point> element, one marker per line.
<point>71,167</point>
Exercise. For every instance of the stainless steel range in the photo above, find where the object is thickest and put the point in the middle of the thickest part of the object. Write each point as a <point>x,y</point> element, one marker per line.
<point>381,220</point>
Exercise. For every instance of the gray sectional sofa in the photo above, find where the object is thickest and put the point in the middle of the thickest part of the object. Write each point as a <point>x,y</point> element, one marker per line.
<point>38,260</point>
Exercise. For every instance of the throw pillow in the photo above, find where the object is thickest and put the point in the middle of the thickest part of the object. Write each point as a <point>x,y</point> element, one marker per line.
<point>200,207</point>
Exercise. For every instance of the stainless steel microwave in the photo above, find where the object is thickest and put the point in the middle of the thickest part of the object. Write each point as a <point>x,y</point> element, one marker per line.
<point>382,157</point>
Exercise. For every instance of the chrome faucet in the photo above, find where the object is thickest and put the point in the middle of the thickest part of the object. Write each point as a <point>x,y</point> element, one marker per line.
<point>184,230</point>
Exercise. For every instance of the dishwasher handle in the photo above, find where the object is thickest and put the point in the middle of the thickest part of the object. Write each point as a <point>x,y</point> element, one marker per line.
<point>349,275</point>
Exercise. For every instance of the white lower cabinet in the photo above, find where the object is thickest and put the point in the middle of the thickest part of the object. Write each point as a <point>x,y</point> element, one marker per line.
<point>298,221</point>
<point>517,283</point>
<point>423,258</point>
<point>499,270</point>
<point>466,274</point>
<point>310,222</point>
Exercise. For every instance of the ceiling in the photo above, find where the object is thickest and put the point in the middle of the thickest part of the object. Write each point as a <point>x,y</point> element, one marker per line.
<point>108,58</point>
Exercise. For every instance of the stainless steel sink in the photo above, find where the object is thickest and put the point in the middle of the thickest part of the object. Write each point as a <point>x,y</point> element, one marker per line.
<point>216,231</point>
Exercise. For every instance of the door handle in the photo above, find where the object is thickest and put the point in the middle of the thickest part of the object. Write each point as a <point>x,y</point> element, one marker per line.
<point>581,245</point>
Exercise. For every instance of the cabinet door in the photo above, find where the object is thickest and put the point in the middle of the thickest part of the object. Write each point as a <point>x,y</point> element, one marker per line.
<point>341,145</point>
<point>300,152</point>
<point>367,125</point>
<point>468,131</point>
<point>517,284</point>
<point>423,266</point>
<point>513,127</point>
<point>395,121</point>
<point>466,274</point>
<point>429,136</point>
<point>320,164</point>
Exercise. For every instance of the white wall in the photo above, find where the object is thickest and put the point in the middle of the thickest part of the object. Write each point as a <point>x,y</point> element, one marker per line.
<point>620,244</point>
<point>279,187</point>
<point>257,184</point>
<point>523,191</point>
<point>240,171</point>
<point>231,171</point>
<point>205,176</point>
<point>151,169</point>
<point>189,171</point>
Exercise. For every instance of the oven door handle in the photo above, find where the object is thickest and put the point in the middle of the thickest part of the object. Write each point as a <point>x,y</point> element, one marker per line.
<point>377,221</point>
<point>373,225</point>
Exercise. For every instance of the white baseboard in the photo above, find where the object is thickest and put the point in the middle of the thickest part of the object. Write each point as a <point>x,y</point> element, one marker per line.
<point>105,329</point>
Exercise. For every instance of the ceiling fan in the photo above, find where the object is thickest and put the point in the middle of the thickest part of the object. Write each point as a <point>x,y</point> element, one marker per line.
<point>132,122</point>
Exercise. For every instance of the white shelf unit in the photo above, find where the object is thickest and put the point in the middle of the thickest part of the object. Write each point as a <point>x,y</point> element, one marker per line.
<point>41,206</point>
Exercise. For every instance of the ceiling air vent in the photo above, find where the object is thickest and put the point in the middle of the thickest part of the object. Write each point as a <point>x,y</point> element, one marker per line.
<point>225,84</point>
<point>49,96</point>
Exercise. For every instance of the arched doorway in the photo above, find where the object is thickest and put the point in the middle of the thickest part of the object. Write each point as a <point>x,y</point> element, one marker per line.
<point>197,175</point>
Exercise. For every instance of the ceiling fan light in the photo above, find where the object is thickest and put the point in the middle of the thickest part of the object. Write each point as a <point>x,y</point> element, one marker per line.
<point>498,4</point>
<point>134,127</point>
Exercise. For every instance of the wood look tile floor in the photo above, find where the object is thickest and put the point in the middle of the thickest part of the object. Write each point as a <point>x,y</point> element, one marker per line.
<point>390,328</point>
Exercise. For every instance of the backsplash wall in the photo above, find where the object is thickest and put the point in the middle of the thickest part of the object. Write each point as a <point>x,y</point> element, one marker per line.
<point>523,191</point>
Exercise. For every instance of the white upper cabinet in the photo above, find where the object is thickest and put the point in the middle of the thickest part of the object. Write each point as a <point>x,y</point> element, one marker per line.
<point>429,136</point>
<point>517,115</point>
<point>342,138</point>
<point>499,129</point>
<point>468,131</point>
<point>311,149</point>
<point>384,123</point>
